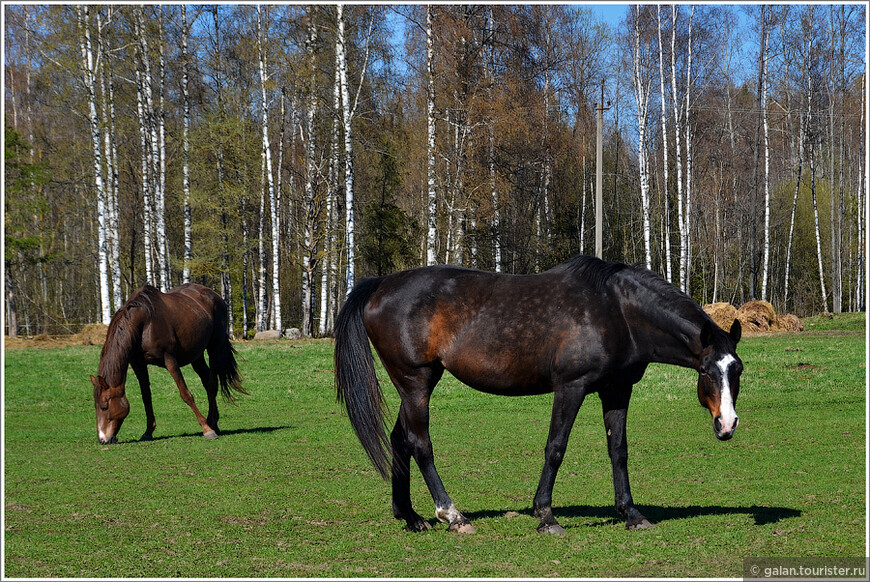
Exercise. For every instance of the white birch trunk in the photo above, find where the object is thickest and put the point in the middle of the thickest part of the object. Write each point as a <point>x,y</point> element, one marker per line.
<point>262,295</point>
<point>490,71</point>
<point>797,188</point>
<point>89,66</point>
<point>146,179</point>
<point>678,151</point>
<point>328,242</point>
<point>185,169</point>
<point>642,94</point>
<point>818,231</point>
<point>765,122</point>
<point>432,200</point>
<point>110,154</point>
<point>688,217</point>
<point>270,180</point>
<point>162,238</point>
<point>311,176</point>
<point>347,117</point>
<point>664,112</point>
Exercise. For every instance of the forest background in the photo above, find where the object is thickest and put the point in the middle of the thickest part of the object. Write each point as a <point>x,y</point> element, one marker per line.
<point>278,153</point>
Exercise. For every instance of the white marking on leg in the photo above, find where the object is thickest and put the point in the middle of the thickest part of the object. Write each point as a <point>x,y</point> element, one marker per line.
<point>728,416</point>
<point>448,514</point>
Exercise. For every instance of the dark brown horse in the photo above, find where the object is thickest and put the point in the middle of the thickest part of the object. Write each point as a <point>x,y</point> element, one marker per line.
<point>169,330</point>
<point>584,326</point>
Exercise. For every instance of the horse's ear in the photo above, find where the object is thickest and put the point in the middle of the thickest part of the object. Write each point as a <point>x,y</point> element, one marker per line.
<point>736,331</point>
<point>706,334</point>
<point>99,382</point>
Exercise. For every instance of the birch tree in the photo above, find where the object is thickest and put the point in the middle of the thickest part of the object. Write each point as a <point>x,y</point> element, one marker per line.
<point>267,166</point>
<point>348,111</point>
<point>762,89</point>
<point>311,171</point>
<point>432,196</point>
<point>185,144</point>
<point>89,66</point>
<point>665,168</point>
<point>642,84</point>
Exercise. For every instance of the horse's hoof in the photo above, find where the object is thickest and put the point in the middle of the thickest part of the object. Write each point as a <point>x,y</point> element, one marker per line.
<point>210,435</point>
<point>146,437</point>
<point>643,524</point>
<point>462,528</point>
<point>554,529</point>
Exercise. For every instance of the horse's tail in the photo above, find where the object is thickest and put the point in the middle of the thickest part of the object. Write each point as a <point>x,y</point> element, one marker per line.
<point>222,354</point>
<point>355,380</point>
<point>227,370</point>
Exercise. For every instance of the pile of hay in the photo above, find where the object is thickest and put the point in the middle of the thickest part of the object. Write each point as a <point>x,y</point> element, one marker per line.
<point>754,316</point>
<point>93,334</point>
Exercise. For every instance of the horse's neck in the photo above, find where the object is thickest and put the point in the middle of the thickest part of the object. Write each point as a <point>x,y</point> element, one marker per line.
<point>670,333</point>
<point>118,350</point>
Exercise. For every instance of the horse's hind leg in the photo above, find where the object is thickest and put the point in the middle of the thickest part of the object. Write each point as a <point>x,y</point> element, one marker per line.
<point>402,508</point>
<point>210,383</point>
<point>411,438</point>
<point>184,392</point>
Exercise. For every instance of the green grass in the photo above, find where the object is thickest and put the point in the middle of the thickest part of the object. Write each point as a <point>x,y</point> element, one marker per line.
<point>288,492</point>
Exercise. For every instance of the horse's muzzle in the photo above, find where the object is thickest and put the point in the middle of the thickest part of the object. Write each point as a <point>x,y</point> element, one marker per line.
<point>111,441</point>
<point>723,433</point>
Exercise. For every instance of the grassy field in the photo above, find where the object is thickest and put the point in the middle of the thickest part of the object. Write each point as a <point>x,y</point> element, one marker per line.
<point>288,492</point>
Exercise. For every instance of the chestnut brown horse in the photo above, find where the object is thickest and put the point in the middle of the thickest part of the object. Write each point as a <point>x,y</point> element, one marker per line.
<point>169,330</point>
<point>584,326</point>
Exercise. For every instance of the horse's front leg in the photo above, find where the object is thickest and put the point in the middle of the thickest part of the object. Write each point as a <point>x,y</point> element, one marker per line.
<point>566,404</point>
<point>173,368</point>
<point>141,371</point>
<point>615,406</point>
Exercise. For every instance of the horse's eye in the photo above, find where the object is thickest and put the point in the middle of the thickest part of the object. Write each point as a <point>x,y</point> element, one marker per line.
<point>104,406</point>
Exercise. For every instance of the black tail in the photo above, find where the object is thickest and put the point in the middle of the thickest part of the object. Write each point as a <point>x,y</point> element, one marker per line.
<point>355,380</point>
<point>227,370</point>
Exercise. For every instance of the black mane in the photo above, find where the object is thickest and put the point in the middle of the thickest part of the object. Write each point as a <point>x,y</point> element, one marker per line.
<point>598,272</point>
<point>591,269</point>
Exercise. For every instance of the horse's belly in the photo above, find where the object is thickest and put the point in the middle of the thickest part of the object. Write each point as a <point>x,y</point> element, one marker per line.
<point>497,374</point>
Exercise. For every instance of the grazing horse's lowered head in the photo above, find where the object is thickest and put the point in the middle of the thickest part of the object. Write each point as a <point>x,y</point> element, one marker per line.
<point>719,372</point>
<point>112,408</point>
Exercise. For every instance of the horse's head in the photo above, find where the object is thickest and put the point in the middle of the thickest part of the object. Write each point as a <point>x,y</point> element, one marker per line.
<point>719,377</point>
<point>112,408</point>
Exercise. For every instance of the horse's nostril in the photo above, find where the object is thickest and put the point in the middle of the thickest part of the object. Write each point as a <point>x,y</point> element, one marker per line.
<point>717,423</point>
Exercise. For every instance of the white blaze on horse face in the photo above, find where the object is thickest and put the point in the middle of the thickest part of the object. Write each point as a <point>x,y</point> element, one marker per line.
<point>727,414</point>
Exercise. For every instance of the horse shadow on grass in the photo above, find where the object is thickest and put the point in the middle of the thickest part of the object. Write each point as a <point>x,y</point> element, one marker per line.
<point>223,433</point>
<point>606,515</point>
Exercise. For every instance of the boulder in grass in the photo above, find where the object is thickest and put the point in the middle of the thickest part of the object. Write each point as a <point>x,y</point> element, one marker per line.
<point>269,334</point>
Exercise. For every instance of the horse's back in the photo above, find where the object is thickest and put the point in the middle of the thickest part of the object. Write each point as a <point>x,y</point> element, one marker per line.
<point>506,334</point>
<point>188,319</point>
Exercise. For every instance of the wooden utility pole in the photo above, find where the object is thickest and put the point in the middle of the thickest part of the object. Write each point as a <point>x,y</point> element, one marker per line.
<point>599,173</point>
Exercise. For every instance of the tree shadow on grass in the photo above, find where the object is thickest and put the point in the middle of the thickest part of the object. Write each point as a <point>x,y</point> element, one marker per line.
<point>606,515</point>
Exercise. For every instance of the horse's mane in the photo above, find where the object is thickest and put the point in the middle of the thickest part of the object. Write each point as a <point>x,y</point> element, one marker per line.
<point>591,269</point>
<point>125,335</point>
<point>597,273</point>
